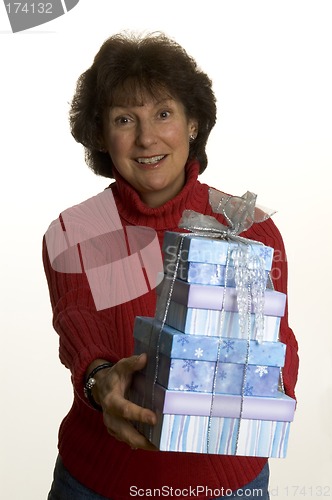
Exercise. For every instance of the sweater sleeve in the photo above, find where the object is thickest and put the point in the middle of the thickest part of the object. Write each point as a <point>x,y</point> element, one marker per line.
<point>84,333</point>
<point>268,233</point>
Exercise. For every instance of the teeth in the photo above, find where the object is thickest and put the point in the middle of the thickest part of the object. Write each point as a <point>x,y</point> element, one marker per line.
<point>153,159</point>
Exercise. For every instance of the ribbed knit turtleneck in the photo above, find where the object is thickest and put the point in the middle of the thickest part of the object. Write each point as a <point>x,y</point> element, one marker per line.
<point>92,456</point>
<point>166,217</point>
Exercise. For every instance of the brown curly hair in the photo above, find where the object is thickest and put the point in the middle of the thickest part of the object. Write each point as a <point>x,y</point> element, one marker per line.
<point>126,67</point>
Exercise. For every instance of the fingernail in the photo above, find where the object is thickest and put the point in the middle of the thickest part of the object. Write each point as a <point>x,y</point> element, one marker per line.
<point>150,420</point>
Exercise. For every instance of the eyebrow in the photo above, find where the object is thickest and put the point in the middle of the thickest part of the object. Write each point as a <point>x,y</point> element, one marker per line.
<point>134,105</point>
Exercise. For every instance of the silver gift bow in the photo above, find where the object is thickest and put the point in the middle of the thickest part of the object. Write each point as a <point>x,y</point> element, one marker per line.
<point>240,213</point>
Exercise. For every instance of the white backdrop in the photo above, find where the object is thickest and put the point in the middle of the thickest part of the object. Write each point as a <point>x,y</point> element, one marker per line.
<point>271,66</point>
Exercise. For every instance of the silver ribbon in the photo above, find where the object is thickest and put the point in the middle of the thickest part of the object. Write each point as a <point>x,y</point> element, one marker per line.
<point>240,213</point>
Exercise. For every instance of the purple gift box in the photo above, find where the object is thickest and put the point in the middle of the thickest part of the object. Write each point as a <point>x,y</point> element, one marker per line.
<point>211,322</point>
<point>220,298</point>
<point>218,424</point>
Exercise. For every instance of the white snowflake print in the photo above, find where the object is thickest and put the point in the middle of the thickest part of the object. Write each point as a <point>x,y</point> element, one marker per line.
<point>214,280</point>
<point>199,352</point>
<point>261,370</point>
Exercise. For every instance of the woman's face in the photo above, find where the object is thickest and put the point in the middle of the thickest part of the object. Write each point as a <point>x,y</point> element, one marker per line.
<point>149,146</point>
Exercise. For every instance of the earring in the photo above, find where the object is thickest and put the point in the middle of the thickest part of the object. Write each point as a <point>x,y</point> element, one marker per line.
<point>192,137</point>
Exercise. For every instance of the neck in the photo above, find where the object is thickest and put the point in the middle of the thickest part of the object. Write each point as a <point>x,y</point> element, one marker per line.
<point>155,199</point>
<point>164,215</point>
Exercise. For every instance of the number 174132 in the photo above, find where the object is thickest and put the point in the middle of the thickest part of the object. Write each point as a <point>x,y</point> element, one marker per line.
<point>29,8</point>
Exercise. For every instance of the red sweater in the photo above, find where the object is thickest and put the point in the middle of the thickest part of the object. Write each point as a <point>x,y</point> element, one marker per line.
<point>92,456</point>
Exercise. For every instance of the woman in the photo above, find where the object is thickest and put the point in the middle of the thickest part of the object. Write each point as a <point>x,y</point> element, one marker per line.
<point>143,112</point>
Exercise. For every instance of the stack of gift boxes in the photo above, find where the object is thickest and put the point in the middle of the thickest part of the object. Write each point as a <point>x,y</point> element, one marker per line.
<point>216,388</point>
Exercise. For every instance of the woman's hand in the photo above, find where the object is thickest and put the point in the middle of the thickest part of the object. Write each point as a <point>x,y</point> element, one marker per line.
<point>119,413</point>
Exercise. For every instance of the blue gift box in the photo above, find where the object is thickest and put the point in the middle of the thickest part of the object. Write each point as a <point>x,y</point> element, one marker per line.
<point>220,436</point>
<point>176,344</point>
<point>211,322</point>
<point>208,250</point>
<point>204,273</point>
<point>189,362</point>
<point>223,424</point>
<point>199,376</point>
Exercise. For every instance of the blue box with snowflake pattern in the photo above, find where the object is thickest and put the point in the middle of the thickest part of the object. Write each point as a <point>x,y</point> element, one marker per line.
<point>201,376</point>
<point>189,363</point>
<point>177,344</point>
<point>201,249</point>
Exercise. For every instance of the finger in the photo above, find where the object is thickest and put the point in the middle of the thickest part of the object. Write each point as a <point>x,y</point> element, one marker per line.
<point>125,432</point>
<point>123,408</point>
<point>133,363</point>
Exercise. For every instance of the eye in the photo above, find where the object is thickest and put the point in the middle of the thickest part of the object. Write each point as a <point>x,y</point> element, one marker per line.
<point>122,120</point>
<point>164,114</point>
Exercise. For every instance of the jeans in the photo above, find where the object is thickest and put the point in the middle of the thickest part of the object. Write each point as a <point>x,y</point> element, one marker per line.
<point>255,490</point>
<point>65,487</point>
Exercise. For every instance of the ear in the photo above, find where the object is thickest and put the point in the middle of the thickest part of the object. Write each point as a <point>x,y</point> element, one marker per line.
<point>193,128</point>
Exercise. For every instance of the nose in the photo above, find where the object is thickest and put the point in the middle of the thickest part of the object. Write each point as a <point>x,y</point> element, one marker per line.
<point>146,134</point>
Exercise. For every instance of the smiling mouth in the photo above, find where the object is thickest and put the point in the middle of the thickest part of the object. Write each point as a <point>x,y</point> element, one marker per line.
<point>152,160</point>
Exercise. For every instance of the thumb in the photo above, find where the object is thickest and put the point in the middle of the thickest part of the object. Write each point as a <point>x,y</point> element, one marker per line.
<point>139,361</point>
<point>135,363</point>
